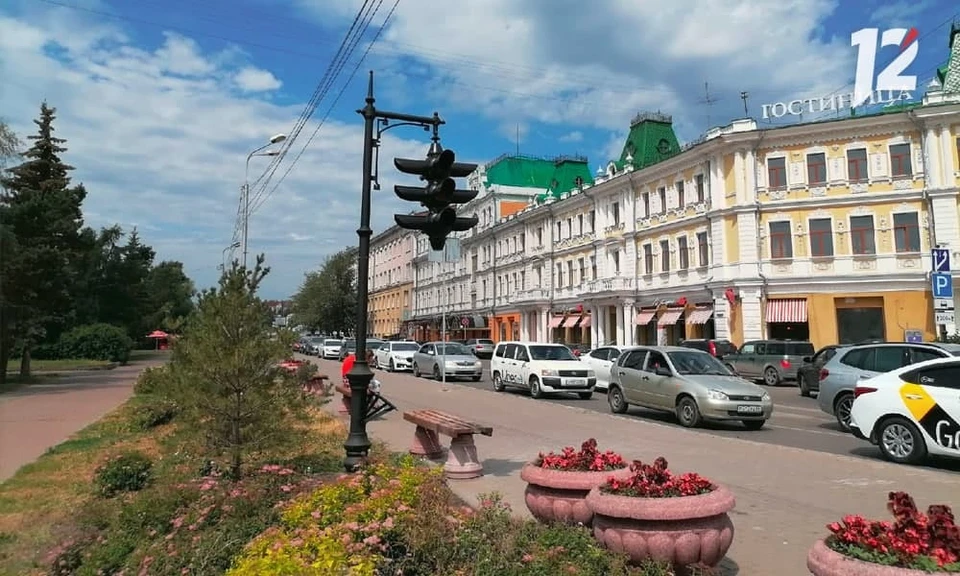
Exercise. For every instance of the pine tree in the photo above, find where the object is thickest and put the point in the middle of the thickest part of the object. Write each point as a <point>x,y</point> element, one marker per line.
<point>41,223</point>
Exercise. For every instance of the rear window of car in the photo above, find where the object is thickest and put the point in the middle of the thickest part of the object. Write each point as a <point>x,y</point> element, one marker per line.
<point>800,349</point>
<point>725,347</point>
<point>484,341</point>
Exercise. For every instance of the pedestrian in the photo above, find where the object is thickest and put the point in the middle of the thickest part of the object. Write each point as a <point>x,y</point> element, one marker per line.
<point>348,363</point>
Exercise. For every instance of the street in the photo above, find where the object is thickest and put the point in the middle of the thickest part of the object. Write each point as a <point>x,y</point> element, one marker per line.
<point>797,422</point>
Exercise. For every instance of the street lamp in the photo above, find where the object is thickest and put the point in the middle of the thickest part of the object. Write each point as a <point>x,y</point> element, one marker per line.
<point>246,186</point>
<point>223,254</point>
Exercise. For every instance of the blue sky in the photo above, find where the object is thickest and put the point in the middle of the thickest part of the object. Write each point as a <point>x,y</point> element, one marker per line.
<point>161,100</point>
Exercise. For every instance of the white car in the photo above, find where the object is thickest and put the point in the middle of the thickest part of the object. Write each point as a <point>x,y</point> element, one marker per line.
<point>541,369</point>
<point>331,349</point>
<point>394,356</point>
<point>911,412</point>
<point>601,361</point>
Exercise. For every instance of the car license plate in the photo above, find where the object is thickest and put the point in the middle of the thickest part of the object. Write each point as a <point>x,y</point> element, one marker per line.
<point>576,382</point>
<point>749,409</point>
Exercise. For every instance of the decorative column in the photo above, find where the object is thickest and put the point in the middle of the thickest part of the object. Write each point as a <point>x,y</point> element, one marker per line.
<point>524,326</point>
<point>620,335</point>
<point>601,321</point>
<point>594,326</point>
<point>751,315</point>
<point>629,331</point>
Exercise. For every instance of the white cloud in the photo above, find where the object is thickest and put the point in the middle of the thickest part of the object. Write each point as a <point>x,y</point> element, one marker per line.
<point>252,79</point>
<point>575,136</point>
<point>159,139</point>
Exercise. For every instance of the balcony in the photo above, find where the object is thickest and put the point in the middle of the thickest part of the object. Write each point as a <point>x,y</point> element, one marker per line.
<point>531,296</point>
<point>614,231</point>
<point>617,284</point>
<point>568,292</point>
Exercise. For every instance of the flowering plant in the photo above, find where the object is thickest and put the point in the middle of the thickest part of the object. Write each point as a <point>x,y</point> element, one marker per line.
<point>929,542</point>
<point>588,459</point>
<point>656,481</point>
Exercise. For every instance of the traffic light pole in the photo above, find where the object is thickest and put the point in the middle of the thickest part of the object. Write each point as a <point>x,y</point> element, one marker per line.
<point>357,445</point>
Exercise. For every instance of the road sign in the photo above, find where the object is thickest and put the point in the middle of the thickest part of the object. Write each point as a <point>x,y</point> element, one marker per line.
<point>943,317</point>
<point>913,335</point>
<point>943,304</point>
<point>941,259</point>
<point>942,285</point>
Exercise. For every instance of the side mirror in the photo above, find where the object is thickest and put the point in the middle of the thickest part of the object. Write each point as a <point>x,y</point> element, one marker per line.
<point>663,371</point>
<point>807,359</point>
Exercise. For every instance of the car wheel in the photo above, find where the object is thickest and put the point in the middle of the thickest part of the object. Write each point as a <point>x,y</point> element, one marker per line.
<point>585,395</point>
<point>688,413</point>
<point>416,370</point>
<point>900,441</point>
<point>391,367</point>
<point>771,377</point>
<point>618,404</point>
<point>802,384</point>
<point>375,363</point>
<point>498,382</point>
<point>535,390</point>
<point>753,424</point>
<point>841,409</point>
<point>436,373</point>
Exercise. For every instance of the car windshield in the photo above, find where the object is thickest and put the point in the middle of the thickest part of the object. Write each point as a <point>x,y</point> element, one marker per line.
<point>316,340</point>
<point>552,353</point>
<point>697,363</point>
<point>405,347</point>
<point>452,349</point>
<point>349,344</point>
<point>331,342</point>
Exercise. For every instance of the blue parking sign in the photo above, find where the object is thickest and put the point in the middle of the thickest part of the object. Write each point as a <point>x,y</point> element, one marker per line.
<point>942,285</point>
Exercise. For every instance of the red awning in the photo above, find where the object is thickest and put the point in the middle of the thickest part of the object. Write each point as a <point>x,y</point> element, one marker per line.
<point>700,316</point>
<point>670,317</point>
<point>557,321</point>
<point>787,310</point>
<point>644,317</point>
<point>585,321</point>
<point>574,321</point>
<point>160,334</point>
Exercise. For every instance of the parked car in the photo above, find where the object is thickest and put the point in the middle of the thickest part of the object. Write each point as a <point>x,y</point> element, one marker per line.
<point>446,361</point>
<point>772,361</point>
<point>348,346</point>
<point>808,375</point>
<point>693,385</point>
<point>541,369</point>
<point>719,349</point>
<point>481,347</point>
<point>331,349</point>
<point>393,356</point>
<point>911,412</point>
<point>601,361</point>
<point>851,364</point>
<point>314,346</point>
<point>578,349</point>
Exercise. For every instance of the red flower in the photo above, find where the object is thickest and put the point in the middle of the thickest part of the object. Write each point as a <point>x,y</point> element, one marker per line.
<point>656,481</point>
<point>589,458</point>
<point>910,538</point>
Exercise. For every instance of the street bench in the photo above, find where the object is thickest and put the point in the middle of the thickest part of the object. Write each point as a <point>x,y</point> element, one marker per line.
<point>318,383</point>
<point>462,462</point>
<point>377,405</point>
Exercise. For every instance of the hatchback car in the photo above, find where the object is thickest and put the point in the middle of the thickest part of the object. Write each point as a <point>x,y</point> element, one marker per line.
<point>481,347</point>
<point>601,361</point>
<point>719,349</point>
<point>446,361</point>
<point>331,349</point>
<point>840,374</point>
<point>911,412</point>
<point>689,383</point>
<point>808,375</point>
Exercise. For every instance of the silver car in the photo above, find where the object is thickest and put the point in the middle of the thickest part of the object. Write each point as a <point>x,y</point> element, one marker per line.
<point>689,383</point>
<point>481,347</point>
<point>839,376</point>
<point>446,361</point>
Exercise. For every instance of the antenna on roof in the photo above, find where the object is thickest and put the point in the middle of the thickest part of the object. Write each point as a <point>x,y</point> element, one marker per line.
<point>518,138</point>
<point>744,95</point>
<point>708,101</point>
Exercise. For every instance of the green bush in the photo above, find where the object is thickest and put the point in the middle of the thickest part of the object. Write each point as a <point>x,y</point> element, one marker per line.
<point>154,380</point>
<point>155,413</point>
<point>128,472</point>
<point>96,342</point>
<point>316,463</point>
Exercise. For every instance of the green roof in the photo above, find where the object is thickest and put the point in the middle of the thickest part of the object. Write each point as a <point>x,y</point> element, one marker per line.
<point>949,75</point>
<point>651,140</point>
<point>520,171</point>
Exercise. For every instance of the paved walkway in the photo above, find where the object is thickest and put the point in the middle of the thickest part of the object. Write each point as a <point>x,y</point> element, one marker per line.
<point>785,496</point>
<point>37,417</point>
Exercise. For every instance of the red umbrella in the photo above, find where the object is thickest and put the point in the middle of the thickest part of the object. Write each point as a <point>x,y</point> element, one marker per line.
<point>159,334</point>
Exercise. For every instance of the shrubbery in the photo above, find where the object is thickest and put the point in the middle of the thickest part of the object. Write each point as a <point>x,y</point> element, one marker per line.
<point>154,380</point>
<point>156,412</point>
<point>128,472</point>
<point>96,342</point>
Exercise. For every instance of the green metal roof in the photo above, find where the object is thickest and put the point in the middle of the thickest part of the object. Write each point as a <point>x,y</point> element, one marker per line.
<point>520,171</point>
<point>651,140</point>
<point>949,75</point>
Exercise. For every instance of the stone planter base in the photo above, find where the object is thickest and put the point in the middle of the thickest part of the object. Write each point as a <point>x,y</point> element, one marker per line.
<point>559,495</point>
<point>344,405</point>
<point>426,443</point>
<point>462,461</point>
<point>822,561</point>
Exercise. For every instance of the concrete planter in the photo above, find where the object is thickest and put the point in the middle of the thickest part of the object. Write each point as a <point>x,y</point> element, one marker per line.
<point>558,495</point>
<point>682,531</point>
<point>822,561</point>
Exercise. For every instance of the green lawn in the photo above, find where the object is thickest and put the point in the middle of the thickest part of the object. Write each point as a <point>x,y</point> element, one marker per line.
<point>57,365</point>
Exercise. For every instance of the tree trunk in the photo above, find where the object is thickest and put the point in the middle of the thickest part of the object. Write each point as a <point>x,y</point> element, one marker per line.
<point>236,450</point>
<point>25,362</point>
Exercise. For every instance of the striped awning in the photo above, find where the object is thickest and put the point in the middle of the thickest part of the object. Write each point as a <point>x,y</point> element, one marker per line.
<point>644,317</point>
<point>787,310</point>
<point>670,317</point>
<point>700,315</point>
<point>573,321</point>
<point>585,321</point>
<point>557,321</point>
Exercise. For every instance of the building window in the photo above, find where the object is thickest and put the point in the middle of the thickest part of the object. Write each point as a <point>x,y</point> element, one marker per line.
<point>684,252</point>
<point>540,236</point>
<point>681,195</point>
<point>777,173</point>
<point>570,272</point>
<point>559,275</point>
<point>816,168</point>
<point>862,237</point>
<point>821,237</point>
<point>593,221</point>
<point>900,166</point>
<point>857,165</point>
<point>664,255</point>
<point>703,249</point>
<point>648,259</point>
<point>582,265</point>
<point>645,198</point>
<point>558,230</point>
<point>569,227</point>
<point>662,196</point>
<point>616,263</point>
<point>906,232</point>
<point>593,267</point>
<point>781,240</point>
<point>616,213</point>
<point>580,224</point>
<point>701,189</point>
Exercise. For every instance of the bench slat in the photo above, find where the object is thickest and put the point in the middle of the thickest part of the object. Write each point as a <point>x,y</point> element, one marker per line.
<point>446,424</point>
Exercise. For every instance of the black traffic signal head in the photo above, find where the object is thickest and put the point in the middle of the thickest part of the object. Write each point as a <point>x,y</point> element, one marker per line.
<point>438,167</point>
<point>437,225</point>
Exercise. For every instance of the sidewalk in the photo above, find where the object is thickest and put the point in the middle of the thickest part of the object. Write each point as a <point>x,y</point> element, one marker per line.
<point>785,496</point>
<point>39,416</point>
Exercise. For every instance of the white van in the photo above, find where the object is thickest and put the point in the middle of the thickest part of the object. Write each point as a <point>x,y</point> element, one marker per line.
<point>540,368</point>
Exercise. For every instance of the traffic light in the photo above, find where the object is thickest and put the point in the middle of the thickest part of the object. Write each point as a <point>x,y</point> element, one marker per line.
<point>440,191</point>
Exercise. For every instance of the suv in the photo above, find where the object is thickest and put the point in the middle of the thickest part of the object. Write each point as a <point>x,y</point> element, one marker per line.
<point>773,361</point>
<point>840,374</point>
<point>716,348</point>
<point>481,347</point>
<point>540,368</point>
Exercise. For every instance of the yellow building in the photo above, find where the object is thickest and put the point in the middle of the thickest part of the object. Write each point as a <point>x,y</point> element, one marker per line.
<point>391,282</point>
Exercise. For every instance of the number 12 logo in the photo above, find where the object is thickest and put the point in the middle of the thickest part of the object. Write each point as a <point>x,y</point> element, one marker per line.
<point>892,77</point>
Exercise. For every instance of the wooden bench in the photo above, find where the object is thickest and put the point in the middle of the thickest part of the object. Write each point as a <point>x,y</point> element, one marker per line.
<point>377,405</point>
<point>318,383</point>
<point>462,462</point>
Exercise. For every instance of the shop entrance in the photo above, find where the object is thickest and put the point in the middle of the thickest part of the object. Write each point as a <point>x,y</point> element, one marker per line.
<point>859,325</point>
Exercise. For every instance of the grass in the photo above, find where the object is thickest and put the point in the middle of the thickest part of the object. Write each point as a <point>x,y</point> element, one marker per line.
<point>58,365</point>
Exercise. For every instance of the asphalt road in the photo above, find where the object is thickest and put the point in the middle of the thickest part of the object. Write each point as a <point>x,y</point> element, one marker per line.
<point>796,422</point>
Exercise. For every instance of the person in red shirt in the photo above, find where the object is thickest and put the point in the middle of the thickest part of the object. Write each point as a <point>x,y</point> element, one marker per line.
<point>348,363</point>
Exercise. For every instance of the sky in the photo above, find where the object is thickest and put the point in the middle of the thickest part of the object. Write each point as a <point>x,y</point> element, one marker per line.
<point>161,100</point>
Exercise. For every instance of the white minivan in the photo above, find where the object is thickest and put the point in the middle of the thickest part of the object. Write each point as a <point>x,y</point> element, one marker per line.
<point>541,369</point>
